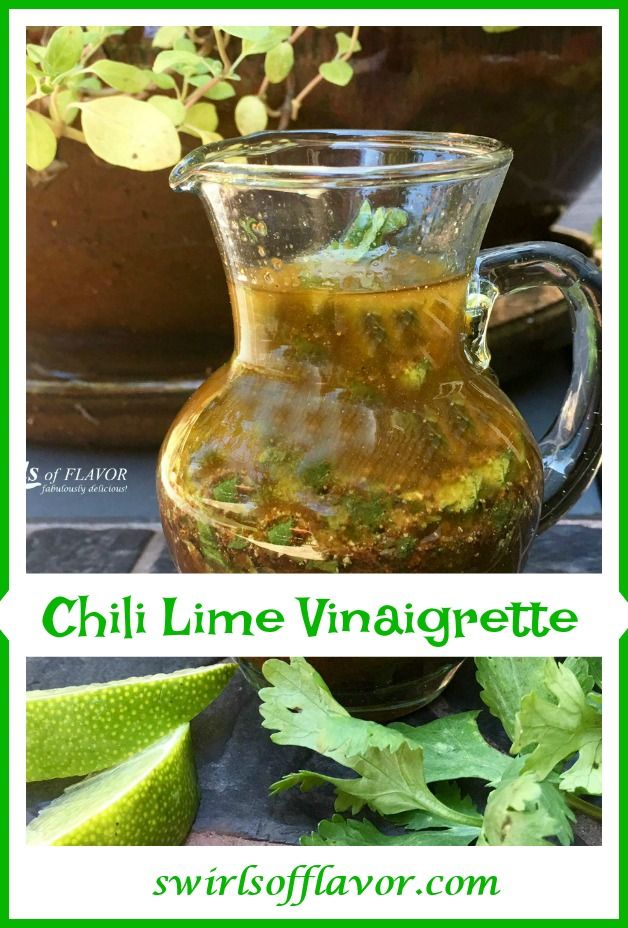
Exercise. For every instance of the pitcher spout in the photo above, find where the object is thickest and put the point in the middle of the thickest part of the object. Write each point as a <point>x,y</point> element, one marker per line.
<point>187,175</point>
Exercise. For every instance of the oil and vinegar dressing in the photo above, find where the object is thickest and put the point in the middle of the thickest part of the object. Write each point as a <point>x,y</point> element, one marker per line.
<point>351,432</point>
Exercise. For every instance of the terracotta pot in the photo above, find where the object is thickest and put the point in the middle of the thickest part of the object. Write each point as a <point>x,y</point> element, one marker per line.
<point>538,89</point>
<point>127,305</point>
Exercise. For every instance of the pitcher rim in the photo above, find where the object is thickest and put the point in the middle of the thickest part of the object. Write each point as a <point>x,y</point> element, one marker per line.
<point>222,162</point>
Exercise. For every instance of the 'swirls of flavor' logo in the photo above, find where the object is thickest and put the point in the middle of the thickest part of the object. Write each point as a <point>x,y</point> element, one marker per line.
<point>81,480</point>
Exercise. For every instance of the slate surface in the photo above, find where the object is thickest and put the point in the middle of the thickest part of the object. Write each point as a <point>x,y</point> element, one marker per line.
<point>92,551</point>
<point>237,760</point>
<point>571,546</point>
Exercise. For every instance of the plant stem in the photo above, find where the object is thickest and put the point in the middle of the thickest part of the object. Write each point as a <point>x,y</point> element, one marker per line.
<point>285,111</point>
<point>578,804</point>
<point>201,91</point>
<point>54,113</point>
<point>222,50</point>
<point>298,100</point>
<point>298,32</point>
<point>64,130</point>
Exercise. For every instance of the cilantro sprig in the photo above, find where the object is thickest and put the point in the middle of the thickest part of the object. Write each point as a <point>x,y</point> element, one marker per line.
<point>407,775</point>
<point>365,238</point>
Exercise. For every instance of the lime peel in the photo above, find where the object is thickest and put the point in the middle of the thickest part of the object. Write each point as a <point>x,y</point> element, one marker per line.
<point>149,799</point>
<point>76,730</point>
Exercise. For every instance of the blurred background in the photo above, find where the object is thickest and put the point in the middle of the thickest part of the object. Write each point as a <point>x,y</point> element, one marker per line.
<point>127,309</point>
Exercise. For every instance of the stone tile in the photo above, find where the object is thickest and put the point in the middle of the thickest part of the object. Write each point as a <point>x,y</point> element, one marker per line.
<point>163,563</point>
<point>85,551</point>
<point>569,548</point>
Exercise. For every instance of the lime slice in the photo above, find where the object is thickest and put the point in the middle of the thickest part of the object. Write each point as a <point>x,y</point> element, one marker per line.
<point>151,798</point>
<point>79,729</point>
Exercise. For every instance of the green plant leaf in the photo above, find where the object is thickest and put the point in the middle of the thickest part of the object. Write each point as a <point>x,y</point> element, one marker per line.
<point>250,115</point>
<point>343,41</point>
<point>595,669</point>
<point>389,781</point>
<point>35,53</point>
<point>449,793</point>
<point>123,77</point>
<point>258,39</point>
<point>64,102</point>
<point>280,533</point>
<point>505,681</point>
<point>173,109</point>
<point>210,549</point>
<point>560,728</point>
<point>41,142</point>
<point>226,491</point>
<point>220,91</point>
<point>523,811</point>
<point>278,62</point>
<point>497,29</point>
<point>33,69</point>
<point>579,667</point>
<point>596,233</point>
<point>166,36</point>
<point>203,117</point>
<point>98,33</point>
<point>454,747</point>
<point>163,81</point>
<point>300,709</point>
<point>130,133</point>
<point>31,84</point>
<point>64,49</point>
<point>185,45</point>
<point>182,62</point>
<point>363,237</point>
<point>206,137</point>
<point>87,84</point>
<point>341,832</point>
<point>337,72</point>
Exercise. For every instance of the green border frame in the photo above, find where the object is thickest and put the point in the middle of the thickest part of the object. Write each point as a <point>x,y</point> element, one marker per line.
<point>4,523</point>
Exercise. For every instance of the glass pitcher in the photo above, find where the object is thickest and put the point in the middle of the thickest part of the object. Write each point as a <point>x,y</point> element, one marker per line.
<point>377,688</point>
<point>358,427</point>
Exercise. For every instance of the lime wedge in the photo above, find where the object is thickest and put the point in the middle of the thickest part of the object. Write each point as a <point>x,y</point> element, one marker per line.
<point>80,729</point>
<point>151,798</point>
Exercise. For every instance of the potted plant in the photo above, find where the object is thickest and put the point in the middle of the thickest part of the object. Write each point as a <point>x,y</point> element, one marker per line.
<point>127,304</point>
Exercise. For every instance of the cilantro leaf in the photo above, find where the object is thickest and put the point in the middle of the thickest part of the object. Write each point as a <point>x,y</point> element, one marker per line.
<point>454,747</point>
<point>226,491</point>
<point>280,533</point>
<point>356,231</point>
<point>579,666</point>
<point>523,811</point>
<point>560,728</point>
<point>339,831</point>
<point>369,229</point>
<point>303,712</point>
<point>362,239</point>
<point>505,681</point>
<point>208,543</point>
<point>391,781</point>
<point>450,794</point>
<point>595,669</point>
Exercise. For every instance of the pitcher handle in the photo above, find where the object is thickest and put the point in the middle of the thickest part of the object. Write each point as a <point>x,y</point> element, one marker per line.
<point>571,449</point>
